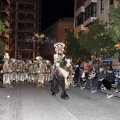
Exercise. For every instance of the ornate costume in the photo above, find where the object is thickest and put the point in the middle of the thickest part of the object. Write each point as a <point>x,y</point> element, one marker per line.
<point>61,69</point>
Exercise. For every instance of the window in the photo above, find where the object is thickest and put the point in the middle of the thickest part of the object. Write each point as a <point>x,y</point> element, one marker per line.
<point>79,3</point>
<point>90,11</point>
<point>80,19</point>
<point>94,10</point>
<point>102,6</point>
<point>66,29</point>
<point>111,2</point>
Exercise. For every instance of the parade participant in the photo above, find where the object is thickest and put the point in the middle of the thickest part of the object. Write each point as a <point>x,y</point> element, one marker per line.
<point>60,70</point>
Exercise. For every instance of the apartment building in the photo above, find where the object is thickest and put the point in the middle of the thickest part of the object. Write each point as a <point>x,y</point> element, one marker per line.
<point>56,33</point>
<point>5,17</point>
<point>26,21</point>
<point>87,10</point>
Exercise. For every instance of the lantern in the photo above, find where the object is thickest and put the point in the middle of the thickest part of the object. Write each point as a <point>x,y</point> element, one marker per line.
<point>92,56</point>
<point>119,46</point>
<point>76,36</point>
<point>94,37</point>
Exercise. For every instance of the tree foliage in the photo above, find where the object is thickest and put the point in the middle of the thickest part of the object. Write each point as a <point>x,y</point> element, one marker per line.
<point>114,24</point>
<point>71,45</point>
<point>93,42</point>
<point>74,49</point>
<point>96,42</point>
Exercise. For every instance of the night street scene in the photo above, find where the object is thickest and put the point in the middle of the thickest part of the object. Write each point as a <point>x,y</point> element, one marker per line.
<point>59,59</point>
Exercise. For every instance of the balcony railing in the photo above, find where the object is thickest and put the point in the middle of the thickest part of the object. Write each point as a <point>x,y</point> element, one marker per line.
<point>7,47</point>
<point>5,10</point>
<point>6,1</point>
<point>88,21</point>
<point>7,23</point>
<point>89,2</point>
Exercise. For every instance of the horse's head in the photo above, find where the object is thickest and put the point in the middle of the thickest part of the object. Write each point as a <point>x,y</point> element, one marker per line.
<point>66,62</point>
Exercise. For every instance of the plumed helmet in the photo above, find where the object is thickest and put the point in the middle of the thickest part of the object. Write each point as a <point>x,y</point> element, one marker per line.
<point>59,47</point>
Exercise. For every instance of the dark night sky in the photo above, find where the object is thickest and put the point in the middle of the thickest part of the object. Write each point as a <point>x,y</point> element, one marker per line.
<point>52,10</point>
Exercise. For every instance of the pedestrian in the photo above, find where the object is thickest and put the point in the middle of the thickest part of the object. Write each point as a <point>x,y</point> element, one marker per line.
<point>1,79</point>
<point>76,75</point>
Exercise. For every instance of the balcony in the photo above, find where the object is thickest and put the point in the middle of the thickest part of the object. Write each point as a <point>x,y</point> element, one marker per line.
<point>4,37</point>
<point>88,2</point>
<point>88,21</point>
<point>7,36</point>
<point>6,47</point>
<point>5,11</point>
<point>7,2</point>
<point>81,9</point>
<point>7,23</point>
<point>79,28</point>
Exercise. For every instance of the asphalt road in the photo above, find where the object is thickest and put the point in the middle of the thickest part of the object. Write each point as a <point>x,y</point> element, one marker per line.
<point>26,102</point>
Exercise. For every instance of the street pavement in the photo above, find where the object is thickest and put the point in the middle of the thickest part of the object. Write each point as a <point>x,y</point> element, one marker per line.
<point>26,102</point>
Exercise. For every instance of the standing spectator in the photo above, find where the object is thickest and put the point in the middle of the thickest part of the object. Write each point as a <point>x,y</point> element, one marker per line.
<point>76,76</point>
<point>96,63</point>
<point>1,79</point>
<point>89,68</point>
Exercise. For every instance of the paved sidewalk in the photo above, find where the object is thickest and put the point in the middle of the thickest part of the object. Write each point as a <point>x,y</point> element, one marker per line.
<point>26,102</point>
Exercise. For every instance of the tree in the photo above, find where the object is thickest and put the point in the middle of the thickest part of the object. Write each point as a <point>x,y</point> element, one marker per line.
<point>96,42</point>
<point>74,49</point>
<point>71,45</point>
<point>114,24</point>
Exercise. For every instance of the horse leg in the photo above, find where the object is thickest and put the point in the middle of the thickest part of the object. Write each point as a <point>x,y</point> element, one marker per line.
<point>64,93</point>
<point>54,86</point>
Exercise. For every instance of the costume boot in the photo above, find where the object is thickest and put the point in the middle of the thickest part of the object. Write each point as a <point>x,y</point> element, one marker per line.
<point>43,86</point>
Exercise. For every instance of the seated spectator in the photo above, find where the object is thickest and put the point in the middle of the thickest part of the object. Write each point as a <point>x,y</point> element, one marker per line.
<point>107,84</point>
<point>83,78</point>
<point>108,81</point>
<point>117,84</point>
<point>101,76</point>
<point>110,76</point>
<point>94,78</point>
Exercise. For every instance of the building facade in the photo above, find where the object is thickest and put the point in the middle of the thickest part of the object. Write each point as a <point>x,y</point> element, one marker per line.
<point>57,33</point>
<point>85,11</point>
<point>26,21</point>
<point>5,17</point>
